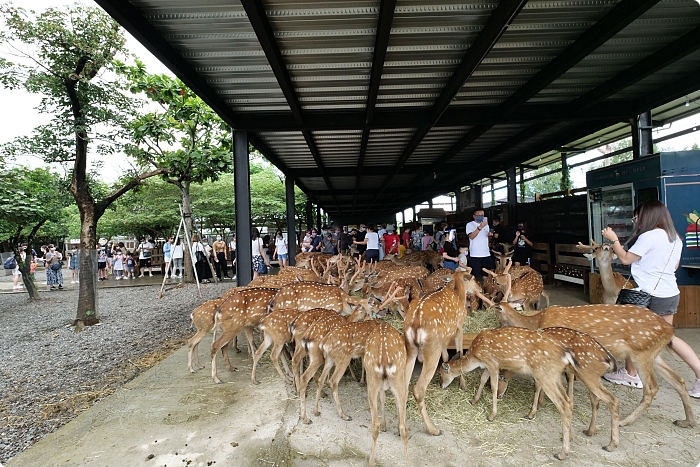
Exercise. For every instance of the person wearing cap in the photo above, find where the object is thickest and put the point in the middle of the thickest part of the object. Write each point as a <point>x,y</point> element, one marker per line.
<point>450,255</point>
<point>391,241</point>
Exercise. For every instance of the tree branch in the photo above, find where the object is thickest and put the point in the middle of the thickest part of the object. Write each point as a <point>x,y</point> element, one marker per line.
<point>109,199</point>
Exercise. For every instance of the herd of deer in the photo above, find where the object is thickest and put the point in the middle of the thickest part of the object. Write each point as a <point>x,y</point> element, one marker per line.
<point>311,307</point>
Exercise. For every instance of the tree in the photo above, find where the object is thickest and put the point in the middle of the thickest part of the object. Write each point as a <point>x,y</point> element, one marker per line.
<point>183,137</point>
<point>32,199</point>
<point>65,55</point>
<point>545,184</point>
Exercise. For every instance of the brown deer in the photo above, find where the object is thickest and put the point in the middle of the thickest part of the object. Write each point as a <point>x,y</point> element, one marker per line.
<point>203,320</point>
<point>308,295</point>
<point>627,331</point>
<point>242,310</point>
<point>339,346</point>
<point>310,345</point>
<point>275,330</point>
<point>430,323</point>
<point>521,351</point>
<point>610,284</point>
<point>384,363</point>
<point>526,287</point>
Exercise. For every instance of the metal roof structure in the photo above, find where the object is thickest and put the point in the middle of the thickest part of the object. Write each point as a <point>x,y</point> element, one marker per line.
<point>373,106</point>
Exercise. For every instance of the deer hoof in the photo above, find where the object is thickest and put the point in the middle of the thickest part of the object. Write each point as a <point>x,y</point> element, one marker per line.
<point>680,423</point>
<point>589,433</point>
<point>218,381</point>
<point>610,447</point>
<point>238,350</point>
<point>560,456</point>
<point>347,418</point>
<point>317,414</point>
<point>255,381</point>
<point>307,421</point>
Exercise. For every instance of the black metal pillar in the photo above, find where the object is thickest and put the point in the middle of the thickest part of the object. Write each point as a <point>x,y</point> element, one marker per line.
<point>413,211</point>
<point>512,186</point>
<point>318,218</point>
<point>291,215</point>
<point>430,203</point>
<point>646,140</point>
<point>634,123</point>
<point>522,184</point>
<point>309,215</point>
<point>241,179</point>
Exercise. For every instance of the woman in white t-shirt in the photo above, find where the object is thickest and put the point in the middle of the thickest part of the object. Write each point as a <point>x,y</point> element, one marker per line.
<point>259,257</point>
<point>281,250</point>
<point>654,255</point>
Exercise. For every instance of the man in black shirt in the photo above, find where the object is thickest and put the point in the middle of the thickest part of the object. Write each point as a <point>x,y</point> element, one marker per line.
<point>502,233</point>
<point>360,236</point>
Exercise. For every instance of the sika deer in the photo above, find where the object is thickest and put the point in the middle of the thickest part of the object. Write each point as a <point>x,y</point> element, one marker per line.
<point>430,323</point>
<point>527,286</point>
<point>521,351</point>
<point>384,363</point>
<point>203,320</point>
<point>627,331</point>
<point>242,310</point>
<point>610,284</point>
<point>339,346</point>
<point>308,295</point>
<point>310,345</point>
<point>275,330</point>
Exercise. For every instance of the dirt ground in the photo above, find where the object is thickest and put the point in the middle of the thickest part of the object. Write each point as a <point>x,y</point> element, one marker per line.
<point>169,417</point>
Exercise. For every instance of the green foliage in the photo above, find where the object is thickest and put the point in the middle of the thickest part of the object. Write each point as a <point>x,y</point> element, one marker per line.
<point>546,184</point>
<point>184,135</point>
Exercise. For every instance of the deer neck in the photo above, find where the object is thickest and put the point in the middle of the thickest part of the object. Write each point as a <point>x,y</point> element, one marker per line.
<point>510,317</point>
<point>607,278</point>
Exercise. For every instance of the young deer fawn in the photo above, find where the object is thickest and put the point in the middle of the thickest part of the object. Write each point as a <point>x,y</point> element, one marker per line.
<point>627,331</point>
<point>242,310</point>
<point>339,346</point>
<point>203,320</point>
<point>384,363</point>
<point>521,351</point>
<point>430,323</point>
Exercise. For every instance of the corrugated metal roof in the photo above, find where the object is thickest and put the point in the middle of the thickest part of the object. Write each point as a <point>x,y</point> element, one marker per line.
<point>374,106</point>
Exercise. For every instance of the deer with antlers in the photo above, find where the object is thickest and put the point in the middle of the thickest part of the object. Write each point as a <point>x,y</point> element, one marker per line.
<point>308,295</point>
<point>627,331</point>
<point>610,284</point>
<point>522,351</point>
<point>430,323</point>
<point>527,287</point>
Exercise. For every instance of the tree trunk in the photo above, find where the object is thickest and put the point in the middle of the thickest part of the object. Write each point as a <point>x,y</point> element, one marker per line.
<point>87,286</point>
<point>27,278</point>
<point>188,275</point>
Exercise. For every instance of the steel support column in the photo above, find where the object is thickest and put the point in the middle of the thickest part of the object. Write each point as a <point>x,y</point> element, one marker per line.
<point>634,123</point>
<point>309,215</point>
<point>241,179</point>
<point>646,142</point>
<point>318,219</point>
<point>512,185</point>
<point>291,215</point>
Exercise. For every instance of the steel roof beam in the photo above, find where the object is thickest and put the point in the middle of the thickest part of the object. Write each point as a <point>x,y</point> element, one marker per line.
<point>498,22</point>
<point>263,30</point>
<point>381,42</point>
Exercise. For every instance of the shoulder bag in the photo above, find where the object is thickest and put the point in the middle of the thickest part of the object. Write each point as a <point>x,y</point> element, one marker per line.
<point>640,297</point>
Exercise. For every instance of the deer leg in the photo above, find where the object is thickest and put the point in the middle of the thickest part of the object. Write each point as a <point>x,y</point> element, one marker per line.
<point>333,383</point>
<point>352,373</point>
<point>401,396</point>
<point>411,354</point>
<point>362,376</point>
<point>431,356</point>
<point>224,339</point>
<point>651,387</point>
<point>321,381</point>
<point>296,363</point>
<point>235,344</point>
<point>264,345</point>
<point>192,348</point>
<point>503,382</point>
<point>535,401</point>
<point>276,356</point>
<point>556,394</point>
<point>227,360</point>
<point>459,343</point>
<point>493,376</point>
<point>372,393</point>
<point>314,364</point>
<point>482,383</point>
<point>597,392</point>
<point>382,405</point>
<point>679,385</point>
<point>251,340</point>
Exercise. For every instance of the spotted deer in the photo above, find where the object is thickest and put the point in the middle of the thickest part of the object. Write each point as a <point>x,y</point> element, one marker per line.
<point>242,310</point>
<point>297,272</point>
<point>275,330</point>
<point>310,346</point>
<point>526,287</point>
<point>308,295</point>
<point>610,284</point>
<point>339,346</point>
<point>627,331</point>
<point>430,323</point>
<point>520,351</point>
<point>385,364</point>
<point>202,318</point>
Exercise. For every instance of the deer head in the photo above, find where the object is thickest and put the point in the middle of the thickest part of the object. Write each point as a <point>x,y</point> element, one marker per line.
<point>602,252</point>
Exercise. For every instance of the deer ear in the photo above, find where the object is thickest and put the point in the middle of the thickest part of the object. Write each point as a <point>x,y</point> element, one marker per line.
<point>589,256</point>
<point>614,256</point>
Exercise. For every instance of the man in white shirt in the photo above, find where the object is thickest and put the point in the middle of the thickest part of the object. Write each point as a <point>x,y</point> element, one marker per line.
<point>479,253</point>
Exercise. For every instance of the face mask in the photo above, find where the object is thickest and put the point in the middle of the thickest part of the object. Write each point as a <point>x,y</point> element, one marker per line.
<point>363,229</point>
<point>480,219</point>
<point>520,227</point>
<point>218,238</point>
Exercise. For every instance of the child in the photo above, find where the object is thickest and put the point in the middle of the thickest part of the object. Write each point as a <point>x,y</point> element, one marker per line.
<point>102,264</point>
<point>462,265</point>
<point>118,264</point>
<point>130,265</point>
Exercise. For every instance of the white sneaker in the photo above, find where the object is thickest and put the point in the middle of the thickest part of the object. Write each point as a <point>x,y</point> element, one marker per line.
<point>72,282</point>
<point>622,377</point>
<point>695,391</point>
